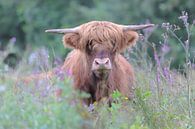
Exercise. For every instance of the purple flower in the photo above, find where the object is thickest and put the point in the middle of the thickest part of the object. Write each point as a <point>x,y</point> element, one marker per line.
<point>165,48</point>
<point>91,108</point>
<point>184,18</point>
<point>69,73</point>
<point>167,75</point>
<point>59,73</point>
<point>158,76</point>
<point>13,40</point>
<point>156,58</point>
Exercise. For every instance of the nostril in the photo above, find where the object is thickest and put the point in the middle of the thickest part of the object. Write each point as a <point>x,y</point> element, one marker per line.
<point>102,62</point>
<point>107,62</point>
<point>96,62</point>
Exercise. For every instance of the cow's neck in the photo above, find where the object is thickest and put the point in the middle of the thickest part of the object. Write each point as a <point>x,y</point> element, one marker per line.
<point>101,88</point>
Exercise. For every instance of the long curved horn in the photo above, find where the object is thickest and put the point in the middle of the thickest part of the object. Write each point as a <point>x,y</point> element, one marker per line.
<point>136,27</point>
<point>63,31</point>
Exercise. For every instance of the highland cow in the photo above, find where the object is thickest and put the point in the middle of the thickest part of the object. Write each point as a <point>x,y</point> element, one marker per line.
<point>96,65</point>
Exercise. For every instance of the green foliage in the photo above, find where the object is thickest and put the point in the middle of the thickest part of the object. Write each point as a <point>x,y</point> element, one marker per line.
<point>21,108</point>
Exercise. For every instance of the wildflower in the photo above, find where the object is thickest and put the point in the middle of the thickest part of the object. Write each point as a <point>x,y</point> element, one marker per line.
<point>95,103</point>
<point>69,72</point>
<point>13,40</point>
<point>184,18</point>
<point>166,26</point>
<point>32,58</point>
<point>39,59</point>
<point>126,98</point>
<point>141,37</point>
<point>167,75</point>
<point>156,58</point>
<point>165,37</point>
<point>91,108</point>
<point>45,91</point>
<point>59,73</point>
<point>175,27</point>
<point>165,48</point>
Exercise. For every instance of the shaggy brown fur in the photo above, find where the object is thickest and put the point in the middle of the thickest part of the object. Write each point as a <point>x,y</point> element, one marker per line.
<point>121,77</point>
<point>108,34</point>
<point>97,36</point>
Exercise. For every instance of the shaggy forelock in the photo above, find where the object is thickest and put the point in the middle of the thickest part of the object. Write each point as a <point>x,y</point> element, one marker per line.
<point>107,34</point>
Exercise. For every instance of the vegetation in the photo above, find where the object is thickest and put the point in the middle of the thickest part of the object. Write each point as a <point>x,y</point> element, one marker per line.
<point>164,96</point>
<point>162,101</point>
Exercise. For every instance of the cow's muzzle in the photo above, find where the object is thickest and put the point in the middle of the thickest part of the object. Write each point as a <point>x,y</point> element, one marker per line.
<point>101,64</point>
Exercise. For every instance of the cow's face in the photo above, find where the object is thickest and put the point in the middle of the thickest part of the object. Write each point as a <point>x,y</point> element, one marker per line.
<point>100,42</point>
<point>100,59</point>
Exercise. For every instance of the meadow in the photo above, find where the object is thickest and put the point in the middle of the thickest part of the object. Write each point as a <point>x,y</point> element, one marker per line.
<point>164,97</point>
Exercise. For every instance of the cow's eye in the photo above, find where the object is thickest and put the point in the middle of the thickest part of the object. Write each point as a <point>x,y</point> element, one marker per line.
<point>113,46</point>
<point>89,46</point>
<point>90,43</point>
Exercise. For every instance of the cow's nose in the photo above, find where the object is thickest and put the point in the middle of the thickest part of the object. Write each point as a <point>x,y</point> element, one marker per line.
<point>101,63</point>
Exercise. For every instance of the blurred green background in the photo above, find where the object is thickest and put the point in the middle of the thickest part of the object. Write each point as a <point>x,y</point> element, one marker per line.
<point>23,22</point>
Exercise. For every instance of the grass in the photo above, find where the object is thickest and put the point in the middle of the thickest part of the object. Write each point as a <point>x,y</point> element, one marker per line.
<point>36,106</point>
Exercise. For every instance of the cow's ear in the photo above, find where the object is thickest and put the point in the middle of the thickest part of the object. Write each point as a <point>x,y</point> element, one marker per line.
<point>131,37</point>
<point>71,40</point>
